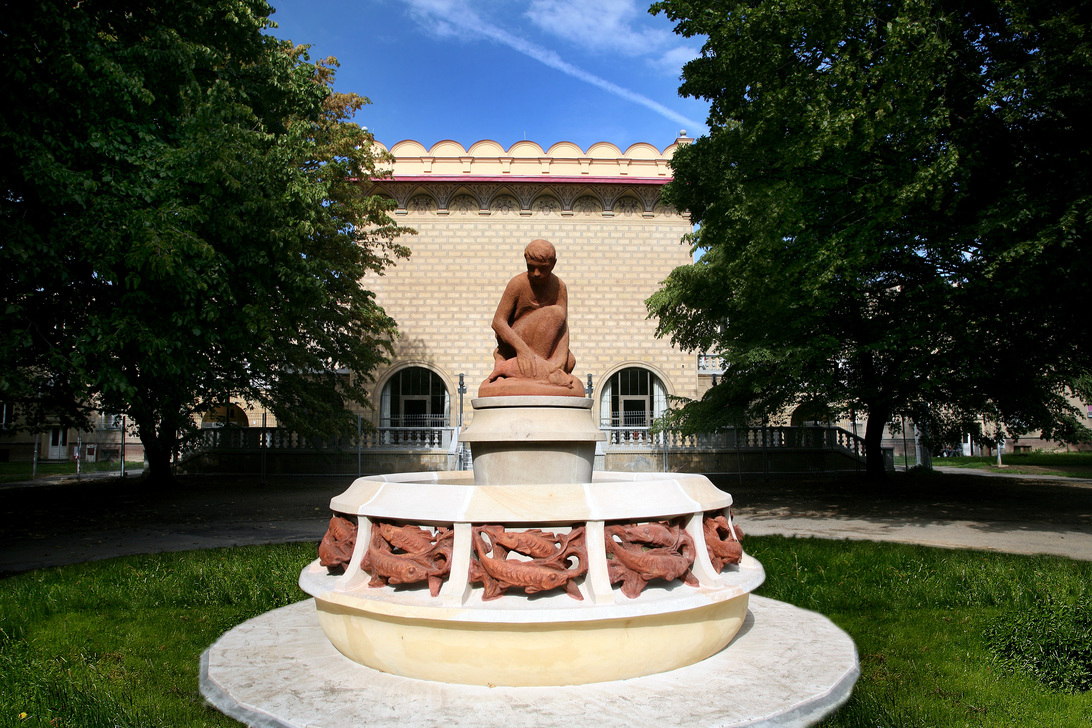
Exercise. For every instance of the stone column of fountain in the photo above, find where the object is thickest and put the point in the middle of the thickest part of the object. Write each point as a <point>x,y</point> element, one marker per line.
<point>535,571</point>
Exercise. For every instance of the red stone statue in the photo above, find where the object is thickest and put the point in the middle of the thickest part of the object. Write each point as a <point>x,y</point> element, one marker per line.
<point>531,323</point>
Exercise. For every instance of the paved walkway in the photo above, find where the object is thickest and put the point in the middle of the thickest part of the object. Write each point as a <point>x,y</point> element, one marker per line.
<point>1035,533</point>
<point>62,523</point>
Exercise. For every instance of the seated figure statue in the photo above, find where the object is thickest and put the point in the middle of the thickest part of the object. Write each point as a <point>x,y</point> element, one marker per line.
<point>532,355</point>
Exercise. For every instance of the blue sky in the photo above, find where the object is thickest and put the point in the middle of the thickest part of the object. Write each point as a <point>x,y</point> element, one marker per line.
<point>546,70</point>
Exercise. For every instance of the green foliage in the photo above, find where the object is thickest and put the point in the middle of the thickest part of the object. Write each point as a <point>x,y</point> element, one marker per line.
<point>1052,642</point>
<point>894,203</point>
<point>183,219</point>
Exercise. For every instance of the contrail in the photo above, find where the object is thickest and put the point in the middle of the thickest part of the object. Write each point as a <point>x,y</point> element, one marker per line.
<point>470,21</point>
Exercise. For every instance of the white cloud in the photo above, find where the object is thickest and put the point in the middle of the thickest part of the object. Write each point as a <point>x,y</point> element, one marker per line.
<point>457,18</point>
<point>612,26</point>
<point>603,25</point>
<point>673,60</point>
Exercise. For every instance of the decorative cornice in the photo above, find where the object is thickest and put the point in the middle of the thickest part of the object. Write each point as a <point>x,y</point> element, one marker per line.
<point>517,197</point>
<point>526,162</point>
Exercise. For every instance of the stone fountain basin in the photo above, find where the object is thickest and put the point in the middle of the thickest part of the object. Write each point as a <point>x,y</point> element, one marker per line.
<point>451,496</point>
<point>543,639</point>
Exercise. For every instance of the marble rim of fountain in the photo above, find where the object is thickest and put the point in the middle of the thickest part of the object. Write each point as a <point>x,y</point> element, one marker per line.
<point>451,499</point>
<point>446,497</point>
<point>546,639</point>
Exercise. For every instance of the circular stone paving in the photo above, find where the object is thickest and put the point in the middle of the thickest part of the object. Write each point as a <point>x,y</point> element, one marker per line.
<point>786,667</point>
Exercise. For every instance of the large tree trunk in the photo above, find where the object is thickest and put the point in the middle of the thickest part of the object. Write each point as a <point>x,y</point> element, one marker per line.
<point>875,468</point>
<point>159,436</point>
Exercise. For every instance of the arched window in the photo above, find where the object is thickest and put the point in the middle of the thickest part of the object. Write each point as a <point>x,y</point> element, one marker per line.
<point>414,397</point>
<point>633,397</point>
<point>230,414</point>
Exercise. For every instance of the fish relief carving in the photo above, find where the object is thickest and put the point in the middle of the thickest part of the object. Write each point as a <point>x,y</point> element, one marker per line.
<point>408,555</point>
<point>548,564</point>
<point>639,553</point>
<point>336,547</point>
<point>722,539</point>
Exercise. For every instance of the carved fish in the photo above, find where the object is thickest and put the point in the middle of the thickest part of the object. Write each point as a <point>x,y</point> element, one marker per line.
<point>635,567</point>
<point>412,539</point>
<point>338,543</point>
<point>723,549</point>
<point>417,540</point>
<point>531,576</point>
<point>659,534</point>
<point>387,566</point>
<point>491,588</point>
<point>533,542</point>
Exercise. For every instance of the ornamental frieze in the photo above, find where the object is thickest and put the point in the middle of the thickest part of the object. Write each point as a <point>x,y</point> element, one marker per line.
<point>417,198</point>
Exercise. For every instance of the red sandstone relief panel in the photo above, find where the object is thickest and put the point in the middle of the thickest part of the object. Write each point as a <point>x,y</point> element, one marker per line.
<point>639,553</point>
<point>636,554</point>
<point>408,555</point>
<point>722,540</point>
<point>337,545</point>
<point>548,562</point>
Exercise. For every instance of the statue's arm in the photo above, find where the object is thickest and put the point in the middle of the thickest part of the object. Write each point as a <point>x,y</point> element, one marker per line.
<point>561,351</point>
<point>501,326</point>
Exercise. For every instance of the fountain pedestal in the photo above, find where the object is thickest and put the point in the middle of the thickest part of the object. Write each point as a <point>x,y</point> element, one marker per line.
<point>528,440</point>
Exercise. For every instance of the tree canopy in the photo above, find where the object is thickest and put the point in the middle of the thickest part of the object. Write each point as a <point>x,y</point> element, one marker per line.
<point>182,220</point>
<point>894,202</point>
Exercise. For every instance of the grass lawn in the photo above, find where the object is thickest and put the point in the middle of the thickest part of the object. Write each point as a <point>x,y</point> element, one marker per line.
<point>1071,464</point>
<point>116,643</point>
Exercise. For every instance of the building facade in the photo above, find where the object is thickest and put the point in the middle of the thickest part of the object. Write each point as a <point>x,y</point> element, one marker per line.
<point>474,210</point>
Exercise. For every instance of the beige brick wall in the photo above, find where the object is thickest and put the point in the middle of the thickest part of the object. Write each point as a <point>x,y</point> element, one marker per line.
<point>445,295</point>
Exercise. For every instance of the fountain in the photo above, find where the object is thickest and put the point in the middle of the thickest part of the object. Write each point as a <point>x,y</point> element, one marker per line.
<point>535,572</point>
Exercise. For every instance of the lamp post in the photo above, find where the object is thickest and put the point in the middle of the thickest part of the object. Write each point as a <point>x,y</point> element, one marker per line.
<point>462,391</point>
<point>462,448</point>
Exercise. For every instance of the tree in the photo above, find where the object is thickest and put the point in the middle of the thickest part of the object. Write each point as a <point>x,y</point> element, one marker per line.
<point>182,220</point>
<point>894,203</point>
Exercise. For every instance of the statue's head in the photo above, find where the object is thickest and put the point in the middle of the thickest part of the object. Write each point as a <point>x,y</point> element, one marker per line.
<point>540,257</point>
<point>541,252</point>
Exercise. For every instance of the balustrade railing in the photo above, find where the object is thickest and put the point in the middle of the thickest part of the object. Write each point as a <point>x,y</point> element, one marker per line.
<point>429,438</point>
<point>275,438</point>
<point>737,438</point>
<point>619,438</point>
<point>710,364</point>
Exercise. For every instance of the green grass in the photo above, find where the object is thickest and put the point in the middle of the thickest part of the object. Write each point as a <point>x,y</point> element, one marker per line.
<point>117,643</point>
<point>919,617</point>
<point>18,471</point>
<point>1072,464</point>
